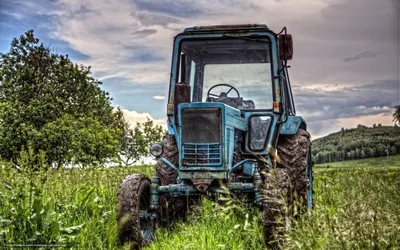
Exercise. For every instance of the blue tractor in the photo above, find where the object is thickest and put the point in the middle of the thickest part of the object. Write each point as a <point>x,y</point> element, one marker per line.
<point>232,126</point>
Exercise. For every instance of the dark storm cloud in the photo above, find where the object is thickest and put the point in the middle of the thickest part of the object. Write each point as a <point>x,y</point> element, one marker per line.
<point>365,54</point>
<point>323,109</point>
<point>341,31</point>
<point>148,19</point>
<point>171,8</point>
<point>370,99</point>
<point>144,32</point>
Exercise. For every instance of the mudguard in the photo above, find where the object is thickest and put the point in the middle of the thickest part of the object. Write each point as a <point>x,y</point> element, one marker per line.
<point>292,125</point>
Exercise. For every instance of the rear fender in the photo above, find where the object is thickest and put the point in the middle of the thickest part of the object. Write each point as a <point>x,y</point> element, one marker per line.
<point>292,125</point>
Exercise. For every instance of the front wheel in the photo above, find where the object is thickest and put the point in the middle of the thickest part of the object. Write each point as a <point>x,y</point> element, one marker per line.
<point>135,223</point>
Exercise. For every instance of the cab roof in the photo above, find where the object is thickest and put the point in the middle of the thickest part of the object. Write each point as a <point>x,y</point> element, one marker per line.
<point>228,28</point>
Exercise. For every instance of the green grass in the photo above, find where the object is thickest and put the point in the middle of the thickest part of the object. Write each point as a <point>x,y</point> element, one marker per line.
<point>72,207</point>
<point>379,162</point>
<point>356,208</point>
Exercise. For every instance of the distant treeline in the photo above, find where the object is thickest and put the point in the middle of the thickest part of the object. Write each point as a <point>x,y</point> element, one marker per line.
<point>358,143</point>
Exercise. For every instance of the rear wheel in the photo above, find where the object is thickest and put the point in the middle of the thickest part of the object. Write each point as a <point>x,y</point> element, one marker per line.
<point>295,156</point>
<point>135,223</point>
<point>289,185</point>
<point>276,196</point>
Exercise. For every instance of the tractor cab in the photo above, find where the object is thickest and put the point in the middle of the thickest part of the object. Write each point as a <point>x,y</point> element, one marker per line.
<point>229,92</point>
<point>231,70</point>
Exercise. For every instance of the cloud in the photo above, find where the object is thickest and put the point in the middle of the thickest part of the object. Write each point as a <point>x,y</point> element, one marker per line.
<point>151,19</point>
<point>325,127</point>
<point>129,45</point>
<point>133,117</point>
<point>171,8</point>
<point>159,97</point>
<point>144,32</point>
<point>323,109</point>
<point>351,101</point>
<point>365,54</point>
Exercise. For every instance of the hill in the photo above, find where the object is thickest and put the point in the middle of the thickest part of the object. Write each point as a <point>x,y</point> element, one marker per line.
<point>357,143</point>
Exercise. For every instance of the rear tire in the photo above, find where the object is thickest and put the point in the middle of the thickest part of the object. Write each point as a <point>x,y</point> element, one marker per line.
<point>276,198</point>
<point>134,221</point>
<point>294,152</point>
<point>289,184</point>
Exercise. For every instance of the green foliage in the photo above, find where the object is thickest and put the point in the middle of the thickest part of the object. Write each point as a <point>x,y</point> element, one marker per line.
<point>47,102</point>
<point>73,208</point>
<point>396,114</point>
<point>211,226</point>
<point>53,106</point>
<point>355,208</point>
<point>135,142</point>
<point>379,162</point>
<point>359,143</point>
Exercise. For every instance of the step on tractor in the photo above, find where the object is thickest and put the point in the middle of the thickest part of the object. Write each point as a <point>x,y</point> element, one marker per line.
<point>232,130</point>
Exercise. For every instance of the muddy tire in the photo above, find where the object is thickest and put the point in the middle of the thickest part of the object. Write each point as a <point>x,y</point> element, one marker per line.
<point>171,208</point>
<point>275,207</point>
<point>294,153</point>
<point>287,189</point>
<point>134,222</point>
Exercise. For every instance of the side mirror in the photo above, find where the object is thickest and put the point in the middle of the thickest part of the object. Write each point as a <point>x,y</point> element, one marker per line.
<point>259,128</point>
<point>285,47</point>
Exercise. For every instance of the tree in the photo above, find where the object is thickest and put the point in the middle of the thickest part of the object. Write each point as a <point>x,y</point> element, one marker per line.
<point>48,103</point>
<point>393,150</point>
<point>135,143</point>
<point>396,114</point>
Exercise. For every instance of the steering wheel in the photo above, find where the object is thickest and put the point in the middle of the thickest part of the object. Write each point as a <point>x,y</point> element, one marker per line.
<point>219,96</point>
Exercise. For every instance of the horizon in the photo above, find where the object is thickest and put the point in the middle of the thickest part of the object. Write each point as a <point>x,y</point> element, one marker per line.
<point>338,131</point>
<point>345,69</point>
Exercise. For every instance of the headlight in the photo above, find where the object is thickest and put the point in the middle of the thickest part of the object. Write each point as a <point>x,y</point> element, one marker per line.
<point>156,149</point>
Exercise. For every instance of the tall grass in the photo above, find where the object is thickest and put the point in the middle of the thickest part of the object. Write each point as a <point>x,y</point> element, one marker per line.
<point>354,209</point>
<point>213,226</point>
<point>69,207</point>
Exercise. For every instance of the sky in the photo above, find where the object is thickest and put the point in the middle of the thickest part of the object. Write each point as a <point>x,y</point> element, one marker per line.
<point>345,69</point>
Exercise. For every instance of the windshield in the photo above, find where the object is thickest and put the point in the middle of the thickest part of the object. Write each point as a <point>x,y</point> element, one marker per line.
<point>234,71</point>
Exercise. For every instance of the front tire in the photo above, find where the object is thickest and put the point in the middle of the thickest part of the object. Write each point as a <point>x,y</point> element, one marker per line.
<point>135,223</point>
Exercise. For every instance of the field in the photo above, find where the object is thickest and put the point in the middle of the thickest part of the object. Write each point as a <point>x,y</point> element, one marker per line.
<point>379,162</point>
<point>357,206</point>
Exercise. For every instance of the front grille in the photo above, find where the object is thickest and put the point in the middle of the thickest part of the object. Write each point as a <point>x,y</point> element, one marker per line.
<point>201,136</point>
<point>201,125</point>
<point>201,154</point>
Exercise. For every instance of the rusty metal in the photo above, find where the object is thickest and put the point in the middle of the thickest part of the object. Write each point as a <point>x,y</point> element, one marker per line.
<point>202,184</point>
<point>229,27</point>
<point>177,190</point>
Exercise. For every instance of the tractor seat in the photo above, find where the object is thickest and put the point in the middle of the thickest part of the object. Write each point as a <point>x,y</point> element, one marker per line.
<point>230,101</point>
